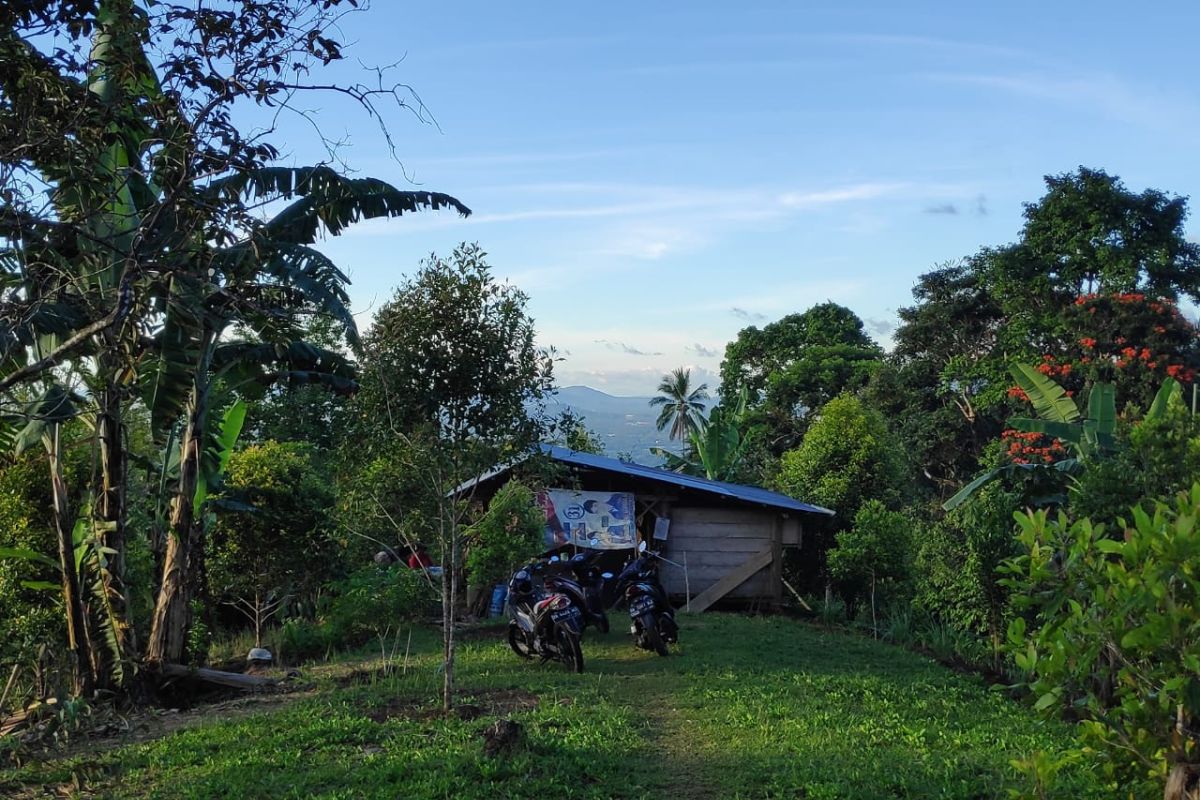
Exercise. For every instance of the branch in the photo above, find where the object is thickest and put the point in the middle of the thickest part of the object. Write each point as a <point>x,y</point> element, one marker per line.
<point>118,314</point>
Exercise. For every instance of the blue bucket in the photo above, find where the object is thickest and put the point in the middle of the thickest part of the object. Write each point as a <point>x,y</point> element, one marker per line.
<point>499,594</point>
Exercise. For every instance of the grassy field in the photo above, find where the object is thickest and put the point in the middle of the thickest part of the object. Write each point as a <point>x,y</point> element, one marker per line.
<point>747,708</point>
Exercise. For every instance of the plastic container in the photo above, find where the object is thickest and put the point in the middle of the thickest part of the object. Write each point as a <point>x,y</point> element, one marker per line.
<point>499,595</point>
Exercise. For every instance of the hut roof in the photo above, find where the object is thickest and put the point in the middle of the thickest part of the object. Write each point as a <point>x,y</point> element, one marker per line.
<point>730,491</point>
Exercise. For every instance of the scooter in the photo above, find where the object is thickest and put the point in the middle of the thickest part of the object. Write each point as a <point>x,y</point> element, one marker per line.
<point>547,625</point>
<point>652,619</point>
<point>583,582</point>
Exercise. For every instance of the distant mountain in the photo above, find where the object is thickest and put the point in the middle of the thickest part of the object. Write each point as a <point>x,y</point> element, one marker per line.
<point>624,424</point>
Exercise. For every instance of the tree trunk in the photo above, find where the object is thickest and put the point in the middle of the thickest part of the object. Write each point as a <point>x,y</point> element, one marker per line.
<point>874,621</point>
<point>172,609</point>
<point>449,589</point>
<point>1183,782</point>
<point>110,510</point>
<point>82,679</point>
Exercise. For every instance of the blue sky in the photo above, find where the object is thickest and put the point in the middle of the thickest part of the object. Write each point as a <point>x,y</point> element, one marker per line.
<point>659,175</point>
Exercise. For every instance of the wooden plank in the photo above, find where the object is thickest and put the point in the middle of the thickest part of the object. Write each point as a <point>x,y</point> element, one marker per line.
<point>730,545</point>
<point>732,580</point>
<point>726,516</point>
<point>703,530</point>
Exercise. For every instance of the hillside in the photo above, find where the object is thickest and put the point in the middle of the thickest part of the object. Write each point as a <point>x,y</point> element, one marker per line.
<point>624,424</point>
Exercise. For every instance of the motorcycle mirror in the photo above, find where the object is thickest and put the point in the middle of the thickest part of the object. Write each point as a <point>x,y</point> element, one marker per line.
<point>641,547</point>
<point>606,575</point>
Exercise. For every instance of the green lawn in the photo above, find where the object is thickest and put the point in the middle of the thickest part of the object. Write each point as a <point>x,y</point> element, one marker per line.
<point>747,707</point>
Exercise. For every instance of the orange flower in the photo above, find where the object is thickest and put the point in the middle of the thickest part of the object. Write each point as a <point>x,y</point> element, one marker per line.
<point>1088,342</point>
<point>1129,352</point>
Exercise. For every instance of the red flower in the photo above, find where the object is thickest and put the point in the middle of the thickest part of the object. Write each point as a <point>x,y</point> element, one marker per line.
<point>1174,370</point>
<point>1088,342</point>
<point>1160,329</point>
<point>1129,352</point>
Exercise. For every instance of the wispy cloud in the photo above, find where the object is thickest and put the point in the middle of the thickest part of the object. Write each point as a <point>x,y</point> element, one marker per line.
<point>843,194</point>
<point>701,350</point>
<point>621,347</point>
<point>942,208</point>
<point>1101,94</point>
<point>748,316</point>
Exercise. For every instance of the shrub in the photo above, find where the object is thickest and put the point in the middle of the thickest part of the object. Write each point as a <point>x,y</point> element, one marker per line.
<point>876,551</point>
<point>507,534</point>
<point>1109,631</point>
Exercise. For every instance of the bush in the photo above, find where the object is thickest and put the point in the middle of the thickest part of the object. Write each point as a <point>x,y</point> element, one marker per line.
<point>508,534</point>
<point>1108,631</point>
<point>874,554</point>
<point>363,606</point>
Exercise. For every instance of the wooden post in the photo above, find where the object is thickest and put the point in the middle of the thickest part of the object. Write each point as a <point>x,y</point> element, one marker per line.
<point>777,560</point>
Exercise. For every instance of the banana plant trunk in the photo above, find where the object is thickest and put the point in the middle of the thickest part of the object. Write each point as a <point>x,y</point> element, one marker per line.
<point>111,511</point>
<point>82,678</point>
<point>172,609</point>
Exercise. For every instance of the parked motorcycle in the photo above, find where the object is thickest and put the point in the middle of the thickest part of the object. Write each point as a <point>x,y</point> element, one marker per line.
<point>543,624</point>
<point>581,580</point>
<point>652,619</point>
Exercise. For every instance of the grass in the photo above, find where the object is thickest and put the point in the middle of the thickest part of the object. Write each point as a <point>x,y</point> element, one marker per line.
<point>747,708</point>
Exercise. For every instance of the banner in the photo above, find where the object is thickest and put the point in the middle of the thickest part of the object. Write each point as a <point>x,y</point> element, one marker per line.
<point>580,517</point>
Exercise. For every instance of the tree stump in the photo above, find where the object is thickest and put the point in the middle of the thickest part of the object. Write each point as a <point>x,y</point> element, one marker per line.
<point>502,736</point>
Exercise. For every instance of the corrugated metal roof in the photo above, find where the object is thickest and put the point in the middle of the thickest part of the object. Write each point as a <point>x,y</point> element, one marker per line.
<point>733,491</point>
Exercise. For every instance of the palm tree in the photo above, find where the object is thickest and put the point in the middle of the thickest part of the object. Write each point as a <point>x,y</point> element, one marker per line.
<point>682,406</point>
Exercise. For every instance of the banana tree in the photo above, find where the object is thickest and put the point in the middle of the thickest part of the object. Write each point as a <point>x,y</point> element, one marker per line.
<point>260,286</point>
<point>1090,434</point>
<point>717,447</point>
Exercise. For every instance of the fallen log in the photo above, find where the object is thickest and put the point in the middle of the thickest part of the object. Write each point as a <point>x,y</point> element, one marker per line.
<point>234,679</point>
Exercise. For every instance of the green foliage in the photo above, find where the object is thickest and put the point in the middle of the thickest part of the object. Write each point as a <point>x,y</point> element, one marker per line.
<point>508,534</point>
<point>796,365</point>
<point>283,543</point>
<point>29,619</point>
<point>876,552</point>
<point>848,457</point>
<point>362,606</point>
<point>956,561</point>
<point>1108,631</point>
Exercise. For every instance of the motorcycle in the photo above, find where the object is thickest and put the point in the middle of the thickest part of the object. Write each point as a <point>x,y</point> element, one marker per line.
<point>652,619</point>
<point>543,624</point>
<point>584,583</point>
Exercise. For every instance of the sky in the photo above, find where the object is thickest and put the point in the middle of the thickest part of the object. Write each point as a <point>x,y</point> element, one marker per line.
<point>658,176</point>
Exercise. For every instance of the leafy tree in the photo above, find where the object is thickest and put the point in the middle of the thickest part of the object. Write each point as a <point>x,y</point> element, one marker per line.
<point>1096,271</point>
<point>571,431</point>
<point>682,406</point>
<point>452,372</point>
<point>848,457</point>
<point>877,549</point>
<point>717,450</point>
<point>151,244</point>
<point>279,545</point>
<point>794,366</point>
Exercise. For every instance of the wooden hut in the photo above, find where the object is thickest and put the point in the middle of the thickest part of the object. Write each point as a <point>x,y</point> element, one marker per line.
<point>726,540</point>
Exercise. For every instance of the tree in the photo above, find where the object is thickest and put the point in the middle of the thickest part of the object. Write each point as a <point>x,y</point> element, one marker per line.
<point>717,449</point>
<point>682,406</point>
<point>1096,267</point>
<point>794,366</point>
<point>454,381</point>
<point>279,545</point>
<point>152,231</point>
<point>877,548</point>
<point>847,458</point>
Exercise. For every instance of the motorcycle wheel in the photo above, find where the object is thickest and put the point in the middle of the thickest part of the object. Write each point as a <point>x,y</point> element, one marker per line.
<point>570,651</point>
<point>518,642</point>
<point>651,636</point>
